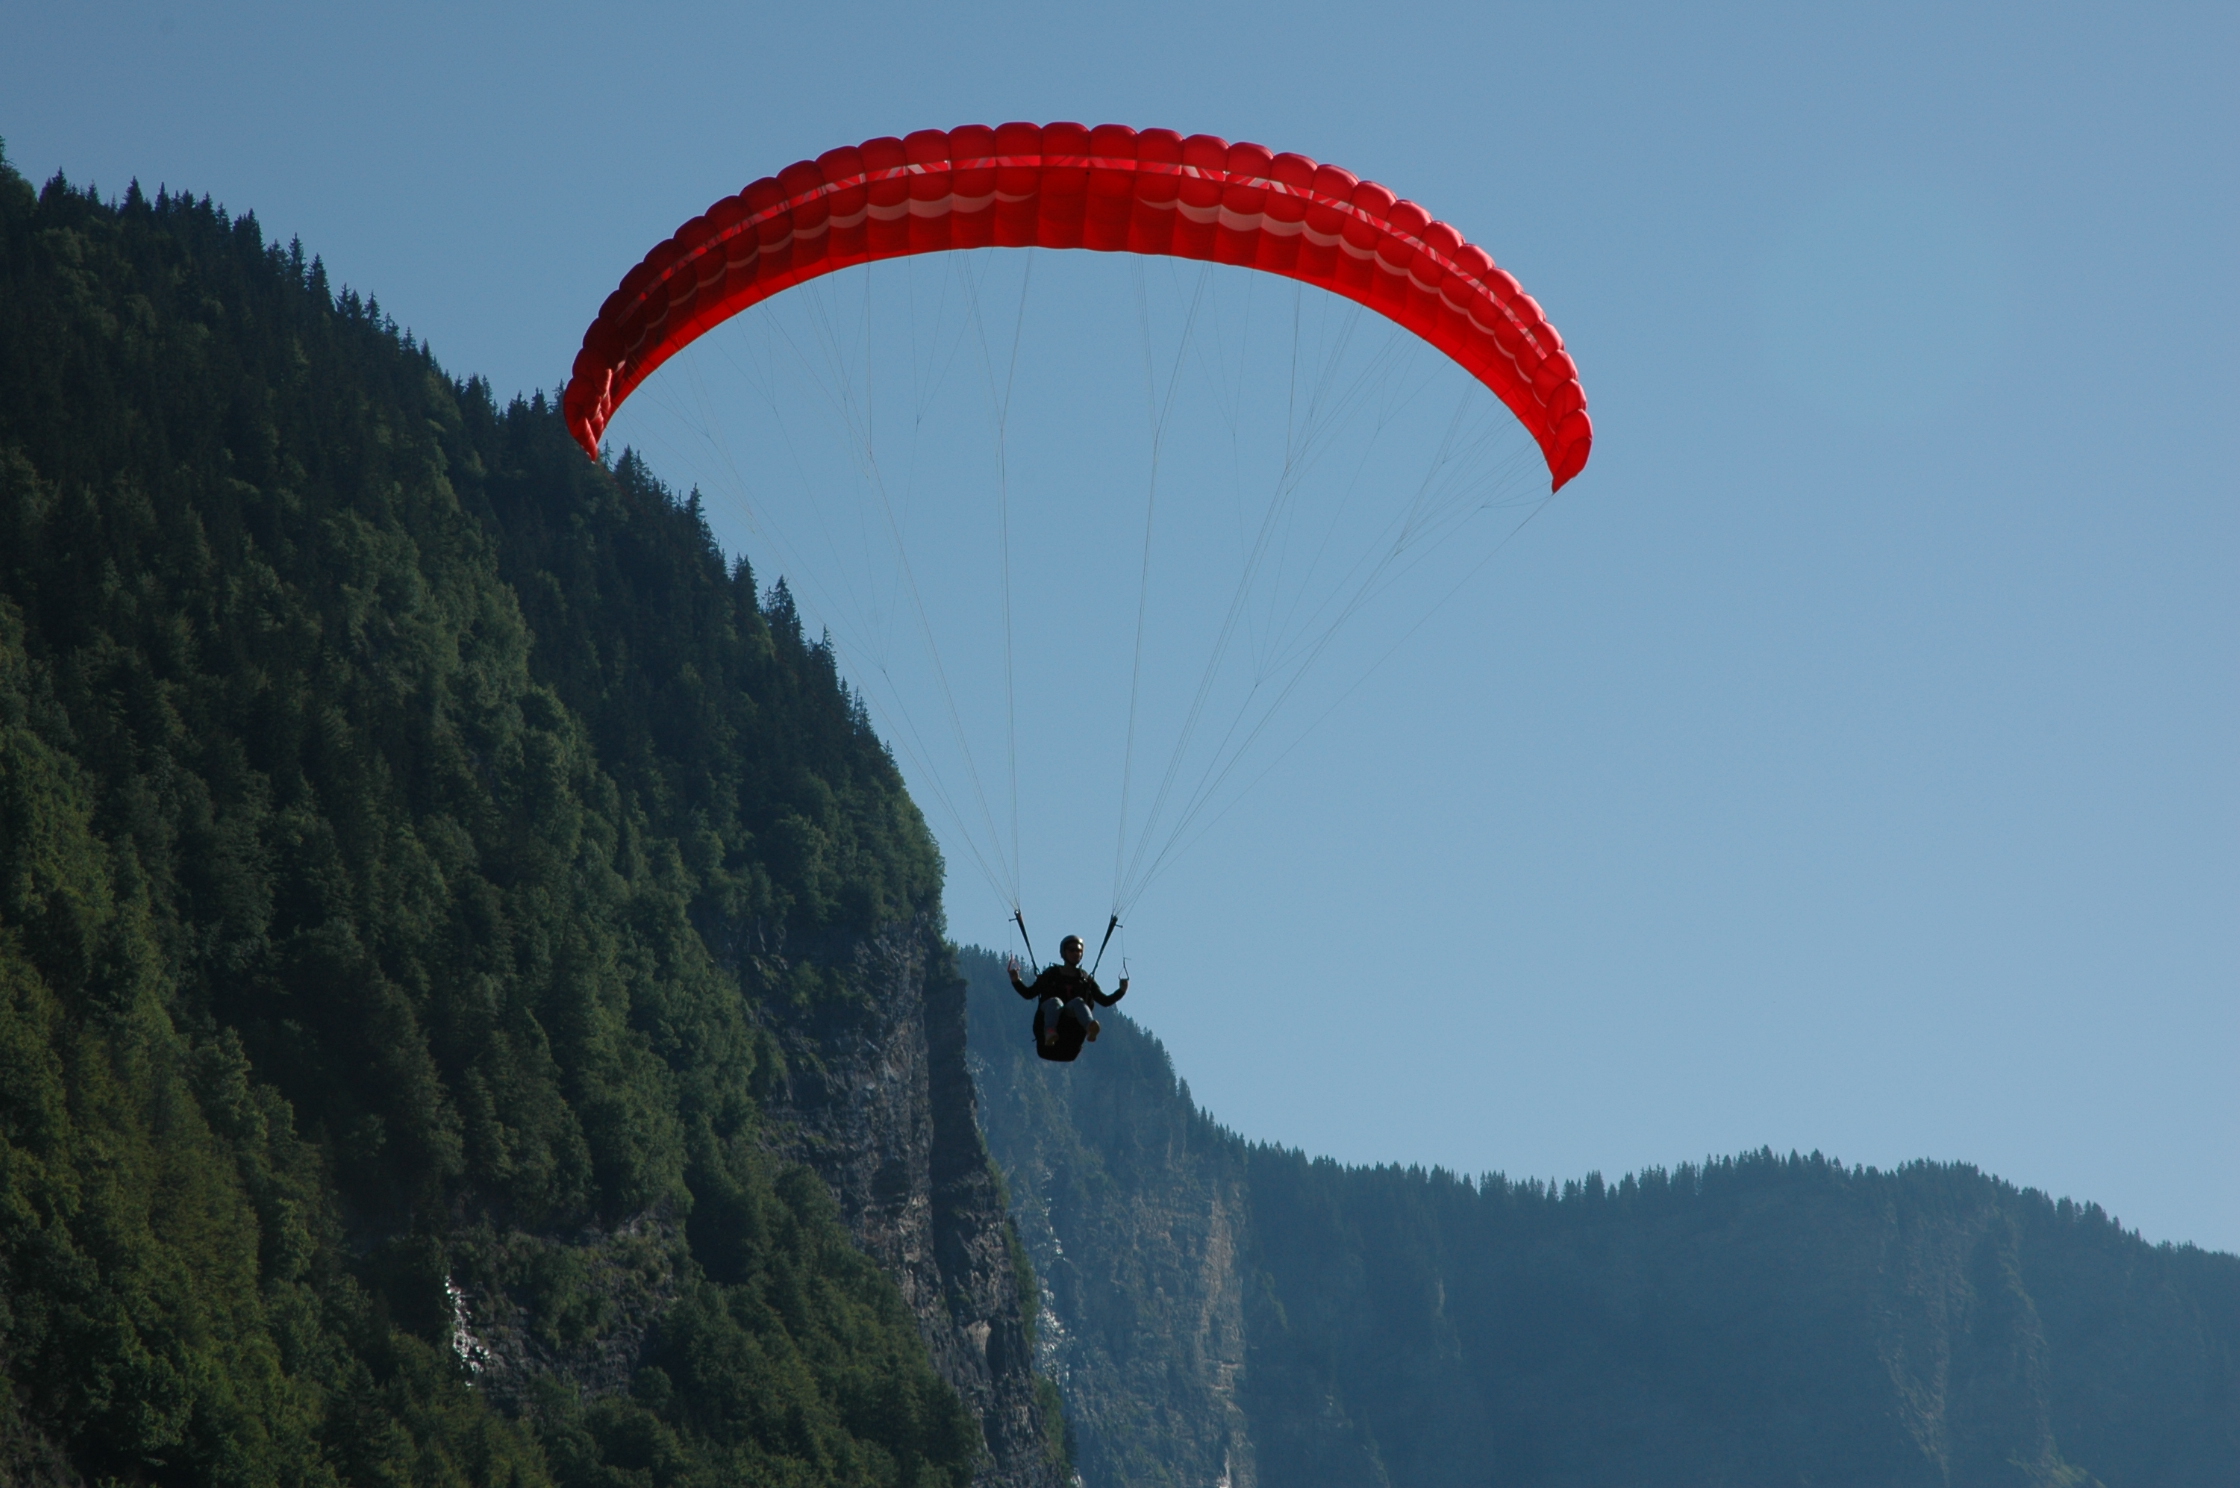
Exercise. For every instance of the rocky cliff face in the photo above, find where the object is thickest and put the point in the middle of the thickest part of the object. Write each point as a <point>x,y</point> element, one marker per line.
<point>872,1093</point>
<point>877,1099</point>
<point>1133,1210</point>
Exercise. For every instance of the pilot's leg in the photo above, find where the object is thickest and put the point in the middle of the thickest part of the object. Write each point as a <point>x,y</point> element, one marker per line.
<point>1046,1019</point>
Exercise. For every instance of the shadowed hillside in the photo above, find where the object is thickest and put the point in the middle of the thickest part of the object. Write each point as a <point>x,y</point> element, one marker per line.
<point>1221,1311</point>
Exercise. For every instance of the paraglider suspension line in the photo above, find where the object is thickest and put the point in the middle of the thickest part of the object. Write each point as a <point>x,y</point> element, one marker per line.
<point>1019,918</point>
<point>1110,926</point>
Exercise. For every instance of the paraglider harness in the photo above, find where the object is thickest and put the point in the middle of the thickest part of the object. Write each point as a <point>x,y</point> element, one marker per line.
<point>1074,1030</point>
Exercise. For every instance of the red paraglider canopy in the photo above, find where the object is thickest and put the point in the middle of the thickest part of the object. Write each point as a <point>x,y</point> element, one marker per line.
<point>1110,188</point>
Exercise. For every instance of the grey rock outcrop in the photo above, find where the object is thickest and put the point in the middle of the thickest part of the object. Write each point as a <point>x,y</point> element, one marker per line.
<point>1133,1210</point>
<point>579,1307</point>
<point>877,1099</point>
<point>874,1096</point>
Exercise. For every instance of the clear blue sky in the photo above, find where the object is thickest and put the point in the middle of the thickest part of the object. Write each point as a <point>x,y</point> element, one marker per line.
<point>1849,760</point>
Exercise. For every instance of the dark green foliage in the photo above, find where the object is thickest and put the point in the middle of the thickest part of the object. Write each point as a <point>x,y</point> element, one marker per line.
<point>806,1370</point>
<point>1057,1430</point>
<point>1756,1320</point>
<point>401,819</point>
<point>735,737</point>
<point>175,1307</point>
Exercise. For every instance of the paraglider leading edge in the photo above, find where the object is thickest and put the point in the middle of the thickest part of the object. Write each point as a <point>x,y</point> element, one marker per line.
<point>1109,189</point>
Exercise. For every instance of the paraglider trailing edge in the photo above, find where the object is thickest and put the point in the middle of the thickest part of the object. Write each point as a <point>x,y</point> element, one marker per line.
<point>1108,189</point>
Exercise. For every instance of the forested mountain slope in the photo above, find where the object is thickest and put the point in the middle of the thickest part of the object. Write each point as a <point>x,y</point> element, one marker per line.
<point>472,999</point>
<point>1218,1311</point>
